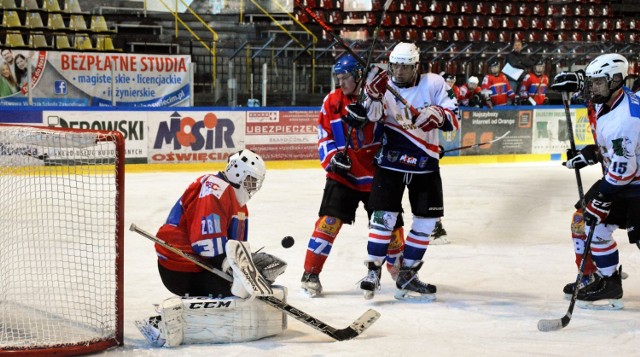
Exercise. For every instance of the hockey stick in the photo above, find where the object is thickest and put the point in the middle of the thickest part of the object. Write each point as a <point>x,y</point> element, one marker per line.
<point>354,330</point>
<point>546,325</point>
<point>365,74</point>
<point>478,144</point>
<point>344,45</point>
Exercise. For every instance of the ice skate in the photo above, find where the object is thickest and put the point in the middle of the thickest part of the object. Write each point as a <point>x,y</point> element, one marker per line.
<point>411,288</point>
<point>370,283</point>
<point>439,234</point>
<point>311,285</point>
<point>585,281</point>
<point>603,294</point>
<point>151,332</point>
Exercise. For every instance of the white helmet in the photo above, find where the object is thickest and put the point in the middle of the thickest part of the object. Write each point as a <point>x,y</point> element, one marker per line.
<point>473,80</point>
<point>404,53</point>
<point>245,172</point>
<point>607,66</point>
<point>613,67</point>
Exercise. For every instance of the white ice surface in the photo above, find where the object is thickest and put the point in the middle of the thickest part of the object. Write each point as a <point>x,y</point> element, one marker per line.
<point>509,257</point>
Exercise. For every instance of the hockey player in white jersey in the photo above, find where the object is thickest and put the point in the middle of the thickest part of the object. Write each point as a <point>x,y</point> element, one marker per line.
<point>615,201</point>
<point>409,158</point>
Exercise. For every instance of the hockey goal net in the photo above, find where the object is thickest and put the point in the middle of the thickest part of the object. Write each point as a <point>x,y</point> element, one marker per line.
<point>61,240</point>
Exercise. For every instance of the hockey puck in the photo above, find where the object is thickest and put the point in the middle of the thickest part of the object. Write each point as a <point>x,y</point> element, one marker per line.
<point>287,242</point>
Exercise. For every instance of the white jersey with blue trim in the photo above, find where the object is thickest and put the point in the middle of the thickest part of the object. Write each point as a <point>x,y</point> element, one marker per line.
<point>405,147</point>
<point>618,136</point>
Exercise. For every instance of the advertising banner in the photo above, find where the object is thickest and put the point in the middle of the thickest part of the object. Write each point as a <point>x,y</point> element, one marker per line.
<point>550,134</point>
<point>195,136</point>
<point>132,125</point>
<point>482,125</point>
<point>283,135</point>
<point>94,79</point>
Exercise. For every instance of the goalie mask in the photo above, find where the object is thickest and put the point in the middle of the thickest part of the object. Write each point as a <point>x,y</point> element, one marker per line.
<point>245,172</point>
<point>604,76</point>
<point>403,64</point>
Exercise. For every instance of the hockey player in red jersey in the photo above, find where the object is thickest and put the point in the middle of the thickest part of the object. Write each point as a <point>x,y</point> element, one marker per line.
<point>613,202</point>
<point>533,89</point>
<point>470,94</point>
<point>497,85</point>
<point>343,123</point>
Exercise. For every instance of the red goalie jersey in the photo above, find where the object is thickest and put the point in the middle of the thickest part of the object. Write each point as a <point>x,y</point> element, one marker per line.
<point>206,216</point>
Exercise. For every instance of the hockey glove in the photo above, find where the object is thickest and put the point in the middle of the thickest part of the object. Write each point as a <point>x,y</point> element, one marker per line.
<point>597,210</point>
<point>376,83</point>
<point>568,81</point>
<point>441,151</point>
<point>430,118</point>
<point>340,163</point>
<point>356,116</point>
<point>579,159</point>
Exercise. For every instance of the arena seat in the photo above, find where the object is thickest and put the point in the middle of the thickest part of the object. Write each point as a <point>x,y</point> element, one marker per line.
<point>9,4</point>
<point>72,6</point>
<point>14,39</point>
<point>524,10</point>
<point>62,42</point>
<point>10,19</point>
<point>77,23</point>
<point>37,40</point>
<point>51,5</point>
<point>30,5</point>
<point>34,21</point>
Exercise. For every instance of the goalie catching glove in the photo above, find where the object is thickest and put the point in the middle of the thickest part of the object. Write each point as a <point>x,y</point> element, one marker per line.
<point>584,157</point>
<point>568,81</point>
<point>376,83</point>
<point>356,116</point>
<point>430,118</point>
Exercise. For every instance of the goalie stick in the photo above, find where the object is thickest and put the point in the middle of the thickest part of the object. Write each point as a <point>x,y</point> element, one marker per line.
<point>546,325</point>
<point>478,144</point>
<point>354,330</point>
<point>344,45</point>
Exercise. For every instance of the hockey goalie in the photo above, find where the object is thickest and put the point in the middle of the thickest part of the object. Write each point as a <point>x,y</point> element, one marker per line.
<point>210,222</point>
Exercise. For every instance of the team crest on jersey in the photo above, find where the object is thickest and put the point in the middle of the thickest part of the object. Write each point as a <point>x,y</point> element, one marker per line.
<point>621,147</point>
<point>392,156</point>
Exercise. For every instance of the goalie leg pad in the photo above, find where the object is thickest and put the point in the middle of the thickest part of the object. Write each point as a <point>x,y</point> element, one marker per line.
<point>231,320</point>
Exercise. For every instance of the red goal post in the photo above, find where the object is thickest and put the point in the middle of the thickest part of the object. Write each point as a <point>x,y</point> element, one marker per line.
<point>61,240</point>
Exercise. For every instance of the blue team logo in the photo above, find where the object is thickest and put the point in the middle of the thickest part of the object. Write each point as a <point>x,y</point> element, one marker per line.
<point>60,87</point>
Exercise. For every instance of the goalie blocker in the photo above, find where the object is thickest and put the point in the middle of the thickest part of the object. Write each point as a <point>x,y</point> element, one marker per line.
<point>198,320</point>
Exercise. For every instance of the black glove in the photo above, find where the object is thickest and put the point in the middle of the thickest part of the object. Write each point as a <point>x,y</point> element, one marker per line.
<point>356,116</point>
<point>579,159</point>
<point>568,81</point>
<point>340,163</point>
<point>441,151</point>
<point>597,210</point>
